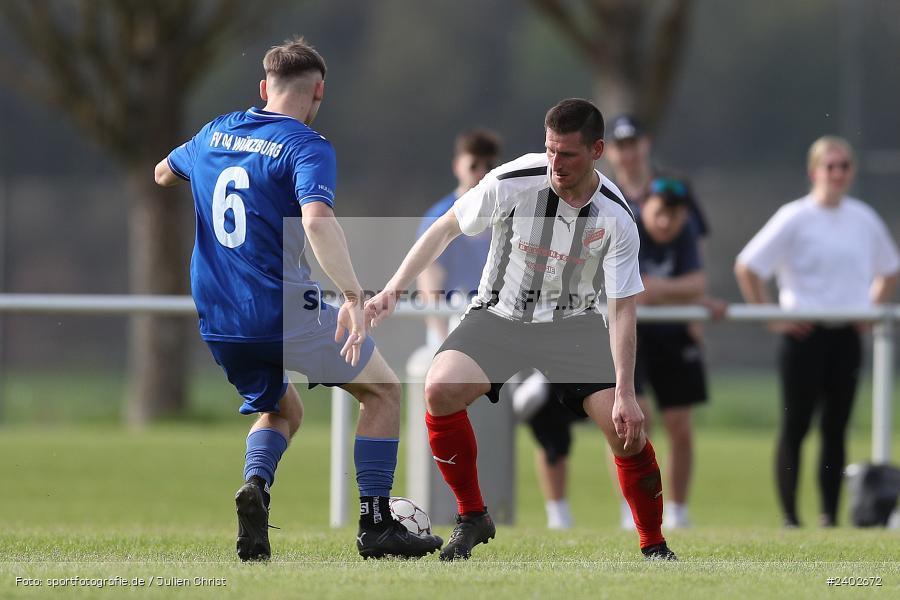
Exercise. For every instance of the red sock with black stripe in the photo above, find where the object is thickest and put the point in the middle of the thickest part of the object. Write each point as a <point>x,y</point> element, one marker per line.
<point>455,451</point>
<point>641,485</point>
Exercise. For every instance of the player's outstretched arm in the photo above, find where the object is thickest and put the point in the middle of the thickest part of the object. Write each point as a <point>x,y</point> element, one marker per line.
<point>329,244</point>
<point>164,175</point>
<point>627,416</point>
<point>423,253</point>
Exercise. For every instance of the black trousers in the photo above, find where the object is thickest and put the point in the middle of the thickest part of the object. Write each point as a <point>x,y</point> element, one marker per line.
<point>819,374</point>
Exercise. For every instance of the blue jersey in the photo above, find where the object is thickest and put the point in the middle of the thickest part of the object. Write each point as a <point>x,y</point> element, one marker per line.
<point>248,172</point>
<point>463,260</point>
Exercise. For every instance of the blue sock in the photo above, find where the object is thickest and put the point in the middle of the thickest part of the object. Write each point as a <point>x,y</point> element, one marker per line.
<point>264,450</point>
<point>375,460</point>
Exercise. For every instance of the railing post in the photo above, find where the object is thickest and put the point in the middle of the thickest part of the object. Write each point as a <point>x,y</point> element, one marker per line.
<point>340,432</point>
<point>882,388</point>
<point>418,452</point>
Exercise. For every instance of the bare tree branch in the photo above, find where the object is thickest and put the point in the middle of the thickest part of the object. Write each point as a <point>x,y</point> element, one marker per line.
<point>663,60</point>
<point>222,21</point>
<point>45,39</point>
<point>566,21</point>
<point>634,66</point>
<point>89,42</point>
<point>114,60</point>
<point>17,78</point>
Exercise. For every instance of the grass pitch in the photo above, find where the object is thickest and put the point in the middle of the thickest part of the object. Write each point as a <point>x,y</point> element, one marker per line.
<point>523,563</point>
<point>84,498</point>
<point>101,503</point>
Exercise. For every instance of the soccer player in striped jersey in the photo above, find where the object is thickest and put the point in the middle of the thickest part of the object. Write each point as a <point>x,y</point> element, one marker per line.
<point>563,236</point>
<point>256,175</point>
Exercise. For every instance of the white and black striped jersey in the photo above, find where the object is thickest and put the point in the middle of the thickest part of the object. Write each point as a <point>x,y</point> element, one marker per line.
<point>548,260</point>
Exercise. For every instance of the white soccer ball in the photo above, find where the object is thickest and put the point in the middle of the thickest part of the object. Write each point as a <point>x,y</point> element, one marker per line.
<point>410,515</point>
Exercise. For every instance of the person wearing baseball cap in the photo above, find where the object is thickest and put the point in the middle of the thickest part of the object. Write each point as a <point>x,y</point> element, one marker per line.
<point>626,127</point>
<point>629,154</point>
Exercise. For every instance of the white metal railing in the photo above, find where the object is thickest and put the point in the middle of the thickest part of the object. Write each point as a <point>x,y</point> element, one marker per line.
<point>184,305</point>
<point>882,317</point>
<point>109,304</point>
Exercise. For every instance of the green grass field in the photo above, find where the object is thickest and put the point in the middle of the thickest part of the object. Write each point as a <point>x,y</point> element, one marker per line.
<point>94,500</point>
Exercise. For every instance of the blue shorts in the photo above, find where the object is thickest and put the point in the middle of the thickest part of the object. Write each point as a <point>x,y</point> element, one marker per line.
<point>257,369</point>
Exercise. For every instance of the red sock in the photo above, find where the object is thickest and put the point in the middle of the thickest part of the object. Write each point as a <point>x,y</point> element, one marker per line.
<point>641,485</point>
<point>455,452</point>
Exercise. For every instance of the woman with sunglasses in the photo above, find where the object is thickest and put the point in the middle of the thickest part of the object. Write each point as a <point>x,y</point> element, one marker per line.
<point>826,251</point>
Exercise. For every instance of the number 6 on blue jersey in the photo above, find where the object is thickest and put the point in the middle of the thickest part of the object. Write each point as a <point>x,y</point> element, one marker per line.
<point>221,203</point>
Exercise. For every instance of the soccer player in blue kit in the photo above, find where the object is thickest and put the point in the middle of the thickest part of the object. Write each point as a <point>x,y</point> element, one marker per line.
<point>252,174</point>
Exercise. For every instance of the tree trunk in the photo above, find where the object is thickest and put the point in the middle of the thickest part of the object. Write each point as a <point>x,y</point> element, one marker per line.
<point>615,94</point>
<point>159,221</point>
<point>633,49</point>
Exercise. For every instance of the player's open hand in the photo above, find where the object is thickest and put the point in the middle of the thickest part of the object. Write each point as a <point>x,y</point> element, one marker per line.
<point>351,323</point>
<point>380,307</point>
<point>627,418</point>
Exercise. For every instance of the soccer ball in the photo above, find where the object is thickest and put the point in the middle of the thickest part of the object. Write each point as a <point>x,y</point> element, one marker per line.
<point>410,515</point>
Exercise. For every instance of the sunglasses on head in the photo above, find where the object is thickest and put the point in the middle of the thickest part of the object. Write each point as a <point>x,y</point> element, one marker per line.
<point>664,185</point>
<point>843,165</point>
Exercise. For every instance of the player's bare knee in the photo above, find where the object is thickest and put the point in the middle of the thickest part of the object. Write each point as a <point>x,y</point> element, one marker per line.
<point>442,398</point>
<point>617,446</point>
<point>381,397</point>
<point>435,395</point>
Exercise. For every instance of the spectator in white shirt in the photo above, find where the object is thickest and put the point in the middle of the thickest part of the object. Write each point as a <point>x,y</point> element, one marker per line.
<point>826,251</point>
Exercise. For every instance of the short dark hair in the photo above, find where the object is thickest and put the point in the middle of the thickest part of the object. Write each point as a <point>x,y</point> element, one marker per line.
<point>576,114</point>
<point>293,58</point>
<point>482,143</point>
